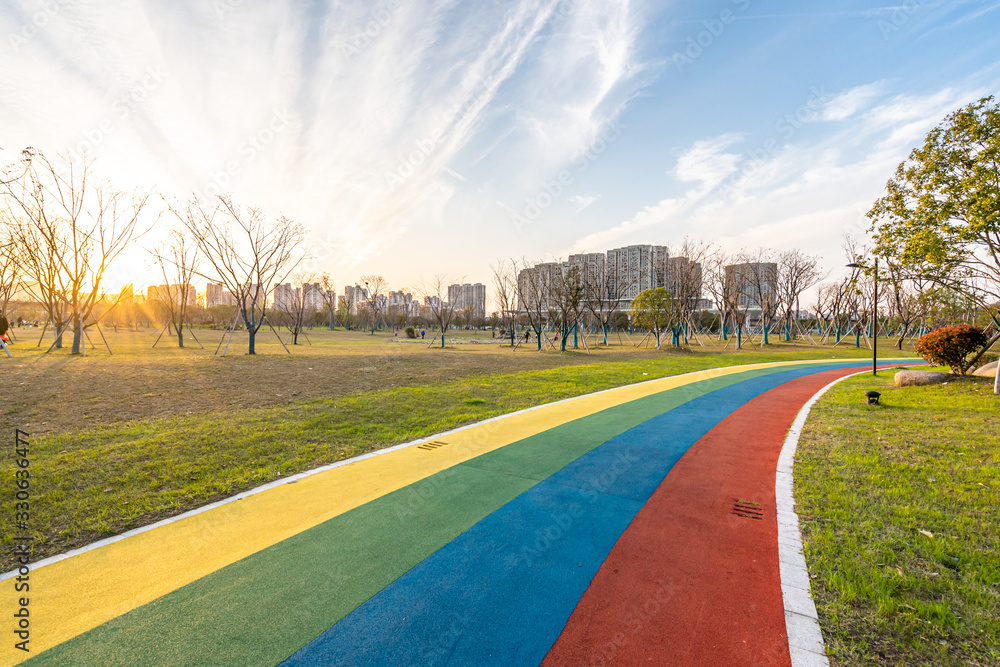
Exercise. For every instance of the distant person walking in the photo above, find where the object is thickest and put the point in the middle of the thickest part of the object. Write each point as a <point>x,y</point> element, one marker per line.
<point>422,334</point>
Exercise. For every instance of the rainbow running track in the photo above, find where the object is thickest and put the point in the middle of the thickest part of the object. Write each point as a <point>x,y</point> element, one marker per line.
<point>595,530</point>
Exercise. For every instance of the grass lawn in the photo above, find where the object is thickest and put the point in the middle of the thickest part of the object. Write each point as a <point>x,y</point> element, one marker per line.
<point>122,441</point>
<point>900,510</point>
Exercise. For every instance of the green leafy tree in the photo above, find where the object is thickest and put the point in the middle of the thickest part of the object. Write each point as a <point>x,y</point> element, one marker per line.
<point>941,211</point>
<point>655,310</point>
<point>940,216</point>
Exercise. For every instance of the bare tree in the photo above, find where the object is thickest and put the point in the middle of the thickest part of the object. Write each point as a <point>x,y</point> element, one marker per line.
<point>435,293</point>
<point>329,295</point>
<point>568,292</point>
<point>345,314</point>
<point>757,274</point>
<point>378,297</point>
<point>731,288</point>
<point>602,296</point>
<point>797,272</point>
<point>823,305</point>
<point>246,251</point>
<point>295,306</point>
<point>505,288</point>
<point>69,228</point>
<point>10,269</point>
<point>718,287</point>
<point>685,278</point>
<point>178,260</point>
<point>534,296</point>
<point>905,294</point>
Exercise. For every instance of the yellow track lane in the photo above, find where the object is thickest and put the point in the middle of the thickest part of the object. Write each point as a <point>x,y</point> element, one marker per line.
<point>74,595</point>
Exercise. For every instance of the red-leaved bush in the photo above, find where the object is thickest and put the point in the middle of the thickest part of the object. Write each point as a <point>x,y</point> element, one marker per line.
<point>949,346</point>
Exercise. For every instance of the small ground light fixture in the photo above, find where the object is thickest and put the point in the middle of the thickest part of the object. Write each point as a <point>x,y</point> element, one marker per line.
<point>872,397</point>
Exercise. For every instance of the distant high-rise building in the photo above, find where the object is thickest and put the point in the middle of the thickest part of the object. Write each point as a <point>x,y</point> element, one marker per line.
<point>468,296</point>
<point>286,298</point>
<point>629,270</point>
<point>312,296</point>
<point>537,283</point>
<point>634,268</point>
<point>591,266</point>
<point>753,283</point>
<point>218,295</point>
<point>172,294</point>
<point>355,294</point>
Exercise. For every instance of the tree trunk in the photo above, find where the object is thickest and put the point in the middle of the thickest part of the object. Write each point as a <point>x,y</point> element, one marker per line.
<point>295,337</point>
<point>605,327</point>
<point>253,336</point>
<point>180,335</point>
<point>77,335</point>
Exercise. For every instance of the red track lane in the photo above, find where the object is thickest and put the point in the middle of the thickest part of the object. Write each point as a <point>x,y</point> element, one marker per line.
<point>690,582</point>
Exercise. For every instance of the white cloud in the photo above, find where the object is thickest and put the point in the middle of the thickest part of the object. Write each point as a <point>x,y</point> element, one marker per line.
<point>362,91</point>
<point>583,201</point>
<point>805,195</point>
<point>705,162</point>
<point>849,102</point>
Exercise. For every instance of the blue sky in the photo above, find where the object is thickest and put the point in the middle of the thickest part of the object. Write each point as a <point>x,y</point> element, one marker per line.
<point>422,137</point>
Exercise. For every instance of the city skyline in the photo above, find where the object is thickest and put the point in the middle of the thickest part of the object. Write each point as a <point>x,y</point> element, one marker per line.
<point>430,138</point>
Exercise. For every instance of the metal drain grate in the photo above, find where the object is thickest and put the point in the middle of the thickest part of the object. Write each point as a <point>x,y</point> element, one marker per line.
<point>432,445</point>
<point>748,510</point>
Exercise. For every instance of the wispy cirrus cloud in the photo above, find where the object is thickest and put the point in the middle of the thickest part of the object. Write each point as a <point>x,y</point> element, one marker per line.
<point>352,117</point>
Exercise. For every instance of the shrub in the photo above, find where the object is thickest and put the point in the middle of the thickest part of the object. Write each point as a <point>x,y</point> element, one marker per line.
<point>949,346</point>
<point>411,332</point>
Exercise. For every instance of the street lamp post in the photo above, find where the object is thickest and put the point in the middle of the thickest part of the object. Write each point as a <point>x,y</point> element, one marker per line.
<point>854,265</point>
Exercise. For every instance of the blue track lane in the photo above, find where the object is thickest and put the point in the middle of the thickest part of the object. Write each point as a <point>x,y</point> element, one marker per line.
<point>501,592</point>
